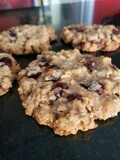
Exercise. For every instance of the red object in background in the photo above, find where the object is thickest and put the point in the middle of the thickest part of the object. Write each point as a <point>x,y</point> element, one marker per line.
<point>104,9</point>
<point>7,22</point>
<point>20,3</point>
<point>14,4</point>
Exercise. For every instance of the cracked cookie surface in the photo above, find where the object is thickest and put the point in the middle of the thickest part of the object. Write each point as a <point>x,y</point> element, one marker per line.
<point>92,38</point>
<point>8,70</point>
<point>27,39</point>
<point>68,91</point>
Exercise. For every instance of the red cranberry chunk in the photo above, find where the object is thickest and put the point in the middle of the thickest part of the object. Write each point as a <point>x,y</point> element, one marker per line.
<point>117,94</point>
<point>82,44</point>
<point>7,61</point>
<point>116,32</point>
<point>53,66</point>
<point>12,33</point>
<point>90,65</point>
<point>88,110</point>
<point>93,42</point>
<point>78,29</point>
<point>114,66</point>
<point>73,96</point>
<point>100,91</point>
<point>35,75</point>
<point>61,85</point>
<point>86,86</point>
<point>43,62</point>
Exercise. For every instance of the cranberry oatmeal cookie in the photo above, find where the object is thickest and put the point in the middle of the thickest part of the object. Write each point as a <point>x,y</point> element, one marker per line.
<point>68,91</point>
<point>27,39</point>
<point>92,38</point>
<point>8,70</point>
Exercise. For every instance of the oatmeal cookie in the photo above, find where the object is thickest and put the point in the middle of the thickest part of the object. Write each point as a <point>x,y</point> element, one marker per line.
<point>92,38</point>
<point>68,91</point>
<point>8,70</point>
<point>27,39</point>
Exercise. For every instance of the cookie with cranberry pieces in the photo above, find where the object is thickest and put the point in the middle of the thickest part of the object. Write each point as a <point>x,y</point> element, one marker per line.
<point>92,38</point>
<point>8,70</point>
<point>68,91</point>
<point>27,39</point>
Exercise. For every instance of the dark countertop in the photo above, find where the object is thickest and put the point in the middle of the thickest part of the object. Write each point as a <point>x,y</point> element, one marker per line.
<point>21,138</point>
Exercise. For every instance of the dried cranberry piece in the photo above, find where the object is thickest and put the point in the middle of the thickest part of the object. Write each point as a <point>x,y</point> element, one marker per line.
<point>93,41</point>
<point>13,36</point>
<point>100,91</point>
<point>88,110</point>
<point>82,44</point>
<point>117,94</point>
<point>114,66</point>
<point>43,62</point>
<point>7,61</point>
<point>34,75</point>
<point>116,32</point>
<point>12,33</point>
<point>53,66</point>
<point>61,85</point>
<point>73,96</point>
<point>78,29</point>
<point>86,86</point>
<point>90,65</point>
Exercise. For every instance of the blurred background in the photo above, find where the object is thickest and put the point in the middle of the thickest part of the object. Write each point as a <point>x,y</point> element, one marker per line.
<point>57,13</point>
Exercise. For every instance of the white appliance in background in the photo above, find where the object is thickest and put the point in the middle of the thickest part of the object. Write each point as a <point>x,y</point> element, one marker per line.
<point>67,12</point>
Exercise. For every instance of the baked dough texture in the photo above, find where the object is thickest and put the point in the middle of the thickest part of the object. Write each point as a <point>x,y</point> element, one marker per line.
<point>8,70</point>
<point>92,38</point>
<point>27,39</point>
<point>68,91</point>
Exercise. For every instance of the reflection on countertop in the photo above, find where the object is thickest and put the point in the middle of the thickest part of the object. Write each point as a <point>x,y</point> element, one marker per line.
<point>87,135</point>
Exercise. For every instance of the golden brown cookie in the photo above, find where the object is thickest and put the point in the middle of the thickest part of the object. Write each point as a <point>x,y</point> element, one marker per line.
<point>92,38</point>
<point>8,70</point>
<point>68,91</point>
<point>27,39</point>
